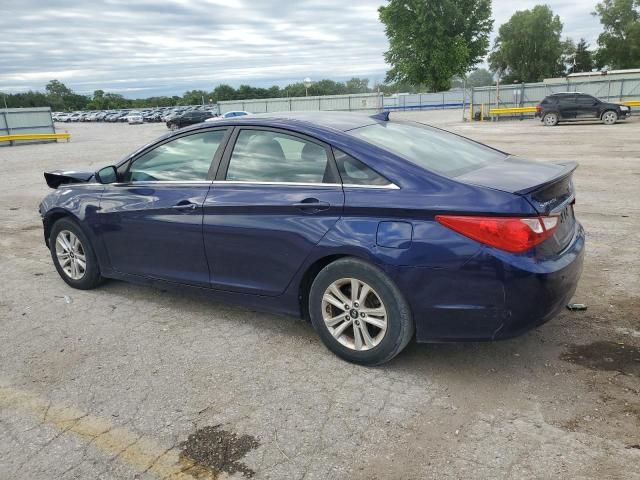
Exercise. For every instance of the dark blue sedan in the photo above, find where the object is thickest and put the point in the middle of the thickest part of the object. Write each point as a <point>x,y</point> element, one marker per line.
<point>374,230</point>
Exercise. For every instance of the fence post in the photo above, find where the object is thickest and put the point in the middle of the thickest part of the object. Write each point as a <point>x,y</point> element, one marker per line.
<point>5,114</point>
<point>442,101</point>
<point>621,88</point>
<point>349,97</point>
<point>289,103</point>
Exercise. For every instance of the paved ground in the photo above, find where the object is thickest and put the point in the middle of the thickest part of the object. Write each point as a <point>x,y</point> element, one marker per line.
<point>132,382</point>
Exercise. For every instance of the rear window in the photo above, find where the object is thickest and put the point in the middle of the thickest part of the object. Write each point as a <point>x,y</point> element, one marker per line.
<point>430,148</point>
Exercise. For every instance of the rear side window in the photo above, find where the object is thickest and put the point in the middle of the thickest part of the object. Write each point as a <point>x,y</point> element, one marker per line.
<point>430,148</point>
<point>354,172</point>
<point>267,156</point>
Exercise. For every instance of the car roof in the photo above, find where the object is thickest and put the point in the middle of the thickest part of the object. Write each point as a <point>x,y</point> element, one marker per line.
<point>342,121</point>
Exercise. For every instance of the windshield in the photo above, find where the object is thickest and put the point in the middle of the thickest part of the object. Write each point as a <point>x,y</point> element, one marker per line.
<point>430,148</point>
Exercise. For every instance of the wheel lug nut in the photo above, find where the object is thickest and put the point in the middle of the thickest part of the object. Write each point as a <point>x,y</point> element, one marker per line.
<point>347,317</point>
<point>362,315</point>
<point>356,305</point>
<point>346,307</point>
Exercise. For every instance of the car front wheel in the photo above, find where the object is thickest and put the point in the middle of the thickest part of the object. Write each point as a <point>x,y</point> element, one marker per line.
<point>359,313</point>
<point>73,255</point>
<point>550,119</point>
<point>609,117</point>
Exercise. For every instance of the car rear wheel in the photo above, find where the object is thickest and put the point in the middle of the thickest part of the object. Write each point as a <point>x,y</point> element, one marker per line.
<point>173,126</point>
<point>73,255</point>
<point>609,117</point>
<point>550,119</point>
<point>359,313</point>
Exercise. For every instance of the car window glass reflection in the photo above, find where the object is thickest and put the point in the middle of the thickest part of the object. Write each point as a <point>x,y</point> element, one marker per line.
<point>183,159</point>
<point>435,150</point>
<point>265,156</point>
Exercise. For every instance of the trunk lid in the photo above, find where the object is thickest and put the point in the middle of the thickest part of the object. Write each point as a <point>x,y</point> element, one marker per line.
<point>547,187</point>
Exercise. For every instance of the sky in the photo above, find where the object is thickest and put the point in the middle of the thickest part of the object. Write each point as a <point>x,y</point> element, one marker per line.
<point>140,48</point>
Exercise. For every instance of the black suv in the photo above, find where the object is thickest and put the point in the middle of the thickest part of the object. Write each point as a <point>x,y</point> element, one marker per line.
<point>579,106</point>
<point>188,118</point>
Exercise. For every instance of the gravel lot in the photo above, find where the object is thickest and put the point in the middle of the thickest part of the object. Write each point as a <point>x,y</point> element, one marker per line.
<point>131,382</point>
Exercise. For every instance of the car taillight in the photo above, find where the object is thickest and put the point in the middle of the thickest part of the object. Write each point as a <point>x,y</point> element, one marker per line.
<point>538,108</point>
<point>513,234</point>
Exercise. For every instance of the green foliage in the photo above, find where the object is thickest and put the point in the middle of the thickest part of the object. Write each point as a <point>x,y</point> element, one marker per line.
<point>61,98</point>
<point>431,41</point>
<point>620,41</point>
<point>480,78</point>
<point>528,47</point>
<point>580,58</point>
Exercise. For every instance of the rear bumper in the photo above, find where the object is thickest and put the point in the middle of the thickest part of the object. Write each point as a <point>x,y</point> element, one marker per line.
<point>495,295</point>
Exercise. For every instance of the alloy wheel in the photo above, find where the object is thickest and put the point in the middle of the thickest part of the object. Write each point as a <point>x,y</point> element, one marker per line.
<point>609,118</point>
<point>550,119</point>
<point>354,314</point>
<point>71,255</point>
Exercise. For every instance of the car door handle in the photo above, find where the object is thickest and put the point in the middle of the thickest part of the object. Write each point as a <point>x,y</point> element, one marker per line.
<point>185,206</point>
<point>312,204</point>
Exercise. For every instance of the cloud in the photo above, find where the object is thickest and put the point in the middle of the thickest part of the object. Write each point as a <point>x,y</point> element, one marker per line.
<point>142,48</point>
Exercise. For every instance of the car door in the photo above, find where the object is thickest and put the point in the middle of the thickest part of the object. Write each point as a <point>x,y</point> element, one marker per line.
<point>567,106</point>
<point>275,196</point>
<point>587,106</point>
<point>151,220</point>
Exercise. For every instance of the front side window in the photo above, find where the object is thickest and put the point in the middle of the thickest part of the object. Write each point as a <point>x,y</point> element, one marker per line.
<point>267,156</point>
<point>430,148</point>
<point>183,159</point>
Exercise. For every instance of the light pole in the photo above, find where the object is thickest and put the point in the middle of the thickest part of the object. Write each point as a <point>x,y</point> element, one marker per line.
<point>307,83</point>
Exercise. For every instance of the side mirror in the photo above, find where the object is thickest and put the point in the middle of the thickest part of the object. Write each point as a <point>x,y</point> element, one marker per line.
<point>107,175</point>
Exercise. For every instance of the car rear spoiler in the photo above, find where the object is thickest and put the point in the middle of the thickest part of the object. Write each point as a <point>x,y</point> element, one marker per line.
<point>567,170</point>
<point>55,178</point>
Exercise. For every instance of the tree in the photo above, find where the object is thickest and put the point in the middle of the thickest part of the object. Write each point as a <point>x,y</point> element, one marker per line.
<point>580,58</point>
<point>431,41</point>
<point>357,85</point>
<point>480,78</point>
<point>528,47</point>
<point>620,41</point>
<point>224,92</point>
<point>195,97</point>
<point>57,88</point>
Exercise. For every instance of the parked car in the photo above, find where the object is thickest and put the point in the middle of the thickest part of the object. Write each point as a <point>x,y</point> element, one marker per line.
<point>232,114</point>
<point>572,106</point>
<point>61,117</point>
<point>134,118</point>
<point>189,118</point>
<point>372,229</point>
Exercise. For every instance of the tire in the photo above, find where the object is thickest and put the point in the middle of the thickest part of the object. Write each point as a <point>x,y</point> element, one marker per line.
<point>610,117</point>
<point>550,119</point>
<point>384,306</point>
<point>61,242</point>
<point>174,127</point>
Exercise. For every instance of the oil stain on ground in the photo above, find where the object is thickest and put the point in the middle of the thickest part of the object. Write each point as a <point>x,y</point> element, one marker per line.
<point>605,356</point>
<point>211,450</point>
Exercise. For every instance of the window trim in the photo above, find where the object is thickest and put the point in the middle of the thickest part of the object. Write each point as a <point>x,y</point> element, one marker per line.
<point>221,174</point>
<point>215,161</point>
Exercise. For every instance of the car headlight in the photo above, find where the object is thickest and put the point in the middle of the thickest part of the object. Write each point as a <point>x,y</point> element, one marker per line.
<point>624,107</point>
